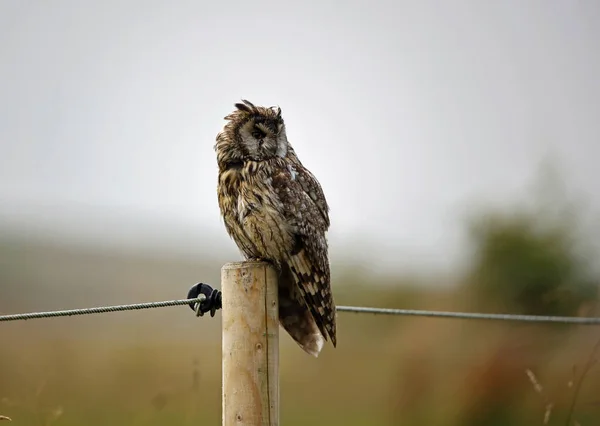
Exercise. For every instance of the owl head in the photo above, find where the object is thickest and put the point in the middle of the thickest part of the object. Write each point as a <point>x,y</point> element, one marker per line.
<point>252,133</point>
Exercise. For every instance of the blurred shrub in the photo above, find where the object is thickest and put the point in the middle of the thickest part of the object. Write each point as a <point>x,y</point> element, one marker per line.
<point>530,264</point>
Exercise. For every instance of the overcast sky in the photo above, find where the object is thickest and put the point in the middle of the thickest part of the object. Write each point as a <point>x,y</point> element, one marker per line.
<point>406,111</point>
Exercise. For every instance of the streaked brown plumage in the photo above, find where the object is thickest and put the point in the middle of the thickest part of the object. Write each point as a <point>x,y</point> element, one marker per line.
<point>275,210</point>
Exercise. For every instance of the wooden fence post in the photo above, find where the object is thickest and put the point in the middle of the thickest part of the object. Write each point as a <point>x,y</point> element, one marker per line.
<point>250,344</point>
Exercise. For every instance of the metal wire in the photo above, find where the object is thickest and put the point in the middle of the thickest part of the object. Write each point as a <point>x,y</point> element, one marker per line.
<point>101,309</point>
<point>471,315</point>
<point>351,309</point>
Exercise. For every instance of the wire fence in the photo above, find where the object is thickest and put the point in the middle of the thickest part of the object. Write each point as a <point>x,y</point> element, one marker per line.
<point>348,309</point>
<point>101,309</point>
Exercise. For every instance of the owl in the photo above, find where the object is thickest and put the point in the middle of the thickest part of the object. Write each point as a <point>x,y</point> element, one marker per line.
<point>275,211</point>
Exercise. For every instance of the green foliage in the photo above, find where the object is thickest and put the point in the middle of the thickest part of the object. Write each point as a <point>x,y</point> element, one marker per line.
<point>531,265</point>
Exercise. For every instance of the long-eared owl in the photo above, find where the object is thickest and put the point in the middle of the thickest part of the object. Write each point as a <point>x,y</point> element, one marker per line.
<point>275,210</point>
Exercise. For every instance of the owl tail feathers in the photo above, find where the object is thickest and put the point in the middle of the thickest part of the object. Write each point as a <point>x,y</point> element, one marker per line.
<point>297,320</point>
<point>309,339</point>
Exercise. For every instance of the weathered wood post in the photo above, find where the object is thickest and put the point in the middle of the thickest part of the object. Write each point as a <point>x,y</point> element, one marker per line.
<point>250,344</point>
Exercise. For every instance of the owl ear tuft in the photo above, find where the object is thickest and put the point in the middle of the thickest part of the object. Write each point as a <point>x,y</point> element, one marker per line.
<point>246,106</point>
<point>278,111</point>
<point>242,107</point>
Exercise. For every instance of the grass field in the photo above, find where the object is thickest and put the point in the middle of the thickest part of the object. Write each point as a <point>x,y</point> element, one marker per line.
<point>163,366</point>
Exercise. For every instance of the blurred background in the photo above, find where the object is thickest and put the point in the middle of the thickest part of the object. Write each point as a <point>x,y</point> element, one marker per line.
<point>456,142</point>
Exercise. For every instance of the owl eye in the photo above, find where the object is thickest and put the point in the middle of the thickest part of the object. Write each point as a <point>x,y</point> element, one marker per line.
<point>257,134</point>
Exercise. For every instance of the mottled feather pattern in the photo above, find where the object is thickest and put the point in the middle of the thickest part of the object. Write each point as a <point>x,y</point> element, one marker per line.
<point>275,210</point>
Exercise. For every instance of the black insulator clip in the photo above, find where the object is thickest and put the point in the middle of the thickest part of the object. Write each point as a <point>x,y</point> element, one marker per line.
<point>211,302</point>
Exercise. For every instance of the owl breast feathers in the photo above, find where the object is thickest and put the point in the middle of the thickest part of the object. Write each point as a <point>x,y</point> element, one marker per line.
<point>275,210</point>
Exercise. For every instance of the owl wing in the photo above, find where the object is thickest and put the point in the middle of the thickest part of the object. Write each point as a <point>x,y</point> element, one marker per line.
<point>311,186</point>
<point>306,213</point>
